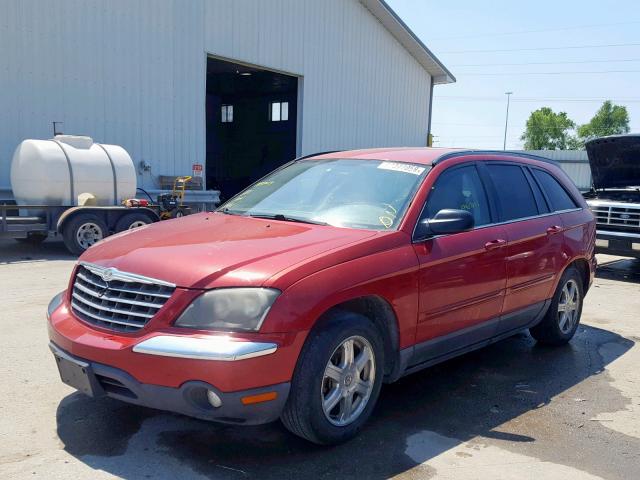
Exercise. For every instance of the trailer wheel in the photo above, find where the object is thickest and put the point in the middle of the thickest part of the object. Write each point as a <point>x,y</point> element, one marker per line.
<point>83,231</point>
<point>176,213</point>
<point>132,220</point>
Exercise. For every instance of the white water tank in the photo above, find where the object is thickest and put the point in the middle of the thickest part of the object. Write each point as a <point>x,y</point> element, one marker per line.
<point>57,171</point>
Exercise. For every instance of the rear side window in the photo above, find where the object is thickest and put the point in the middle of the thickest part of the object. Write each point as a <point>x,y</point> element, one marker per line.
<point>543,207</point>
<point>557,195</point>
<point>515,196</point>
<point>461,189</point>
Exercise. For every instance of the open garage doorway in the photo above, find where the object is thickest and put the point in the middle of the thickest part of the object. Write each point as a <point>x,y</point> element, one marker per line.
<point>251,123</point>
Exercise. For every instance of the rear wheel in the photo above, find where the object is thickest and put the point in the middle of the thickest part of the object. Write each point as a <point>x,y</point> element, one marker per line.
<point>337,381</point>
<point>131,221</point>
<point>84,231</point>
<point>563,317</point>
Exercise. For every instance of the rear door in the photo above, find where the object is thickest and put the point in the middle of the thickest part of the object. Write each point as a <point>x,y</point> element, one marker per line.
<point>577,222</point>
<point>462,275</point>
<point>534,252</point>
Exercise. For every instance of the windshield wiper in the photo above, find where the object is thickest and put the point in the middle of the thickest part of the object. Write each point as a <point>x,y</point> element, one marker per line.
<point>226,211</point>
<point>279,216</point>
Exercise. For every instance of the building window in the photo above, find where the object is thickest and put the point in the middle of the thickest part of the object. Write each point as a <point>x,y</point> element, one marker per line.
<point>227,113</point>
<point>279,111</point>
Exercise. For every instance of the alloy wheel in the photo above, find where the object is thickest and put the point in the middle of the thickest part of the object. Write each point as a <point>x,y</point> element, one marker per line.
<point>568,306</point>
<point>348,381</point>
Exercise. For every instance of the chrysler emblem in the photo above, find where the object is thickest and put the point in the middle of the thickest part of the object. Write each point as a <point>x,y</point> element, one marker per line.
<point>107,274</point>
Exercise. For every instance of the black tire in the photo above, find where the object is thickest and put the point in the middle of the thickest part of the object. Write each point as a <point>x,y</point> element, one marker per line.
<point>33,239</point>
<point>128,221</point>
<point>303,413</point>
<point>177,213</point>
<point>80,221</point>
<point>550,331</point>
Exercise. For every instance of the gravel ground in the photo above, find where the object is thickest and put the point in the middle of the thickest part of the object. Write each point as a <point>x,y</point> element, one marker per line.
<point>512,410</point>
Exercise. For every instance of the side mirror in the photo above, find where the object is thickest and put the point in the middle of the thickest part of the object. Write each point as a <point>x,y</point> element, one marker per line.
<point>446,221</point>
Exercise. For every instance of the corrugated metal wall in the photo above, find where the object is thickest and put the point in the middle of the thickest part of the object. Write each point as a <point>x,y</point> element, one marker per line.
<point>574,162</point>
<point>132,72</point>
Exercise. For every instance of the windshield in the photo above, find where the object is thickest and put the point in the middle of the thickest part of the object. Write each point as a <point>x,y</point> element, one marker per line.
<point>367,194</point>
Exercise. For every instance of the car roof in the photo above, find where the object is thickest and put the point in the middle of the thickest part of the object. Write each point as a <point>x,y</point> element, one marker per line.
<point>421,155</point>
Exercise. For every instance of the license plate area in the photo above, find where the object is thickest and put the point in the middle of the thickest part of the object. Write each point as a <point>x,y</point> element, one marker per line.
<point>75,373</point>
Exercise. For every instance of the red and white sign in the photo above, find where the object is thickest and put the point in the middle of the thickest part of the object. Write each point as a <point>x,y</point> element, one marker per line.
<point>197,169</point>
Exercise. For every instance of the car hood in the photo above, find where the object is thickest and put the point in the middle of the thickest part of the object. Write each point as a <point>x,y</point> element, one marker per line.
<point>208,250</point>
<point>615,161</point>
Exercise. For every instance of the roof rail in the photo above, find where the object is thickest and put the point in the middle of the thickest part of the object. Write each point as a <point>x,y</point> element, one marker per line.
<point>316,154</point>
<point>515,153</point>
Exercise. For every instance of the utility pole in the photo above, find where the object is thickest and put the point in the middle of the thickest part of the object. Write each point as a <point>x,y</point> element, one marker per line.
<point>506,121</point>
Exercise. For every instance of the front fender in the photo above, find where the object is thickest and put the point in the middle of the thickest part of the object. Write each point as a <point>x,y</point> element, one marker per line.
<point>391,275</point>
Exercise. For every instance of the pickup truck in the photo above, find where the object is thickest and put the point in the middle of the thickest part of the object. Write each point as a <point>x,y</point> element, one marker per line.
<point>615,196</point>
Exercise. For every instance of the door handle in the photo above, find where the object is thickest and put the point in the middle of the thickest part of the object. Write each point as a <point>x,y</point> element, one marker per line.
<point>493,244</point>
<point>554,229</point>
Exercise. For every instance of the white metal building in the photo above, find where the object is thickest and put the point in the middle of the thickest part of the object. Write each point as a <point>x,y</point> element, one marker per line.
<point>238,86</point>
<point>574,162</point>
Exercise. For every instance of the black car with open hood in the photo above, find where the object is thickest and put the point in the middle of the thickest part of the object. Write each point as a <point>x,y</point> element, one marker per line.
<point>615,161</point>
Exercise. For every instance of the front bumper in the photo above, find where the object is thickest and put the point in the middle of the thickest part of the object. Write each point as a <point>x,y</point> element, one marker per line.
<point>234,378</point>
<point>624,244</point>
<point>169,357</point>
<point>98,380</point>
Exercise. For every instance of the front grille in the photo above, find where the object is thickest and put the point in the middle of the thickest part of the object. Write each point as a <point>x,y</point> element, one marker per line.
<point>124,302</point>
<point>617,216</point>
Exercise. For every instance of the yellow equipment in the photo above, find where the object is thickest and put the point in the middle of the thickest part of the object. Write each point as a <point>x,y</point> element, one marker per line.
<point>171,204</point>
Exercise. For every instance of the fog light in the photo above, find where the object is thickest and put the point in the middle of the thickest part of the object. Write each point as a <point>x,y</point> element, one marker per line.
<point>214,399</point>
<point>602,243</point>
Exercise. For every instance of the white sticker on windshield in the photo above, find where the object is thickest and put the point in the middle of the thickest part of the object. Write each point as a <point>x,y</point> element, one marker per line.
<point>402,167</point>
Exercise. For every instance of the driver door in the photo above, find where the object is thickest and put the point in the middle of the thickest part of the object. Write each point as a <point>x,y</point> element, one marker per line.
<point>462,276</point>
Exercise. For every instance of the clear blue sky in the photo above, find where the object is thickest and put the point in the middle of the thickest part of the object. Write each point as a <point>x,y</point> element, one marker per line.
<point>471,112</point>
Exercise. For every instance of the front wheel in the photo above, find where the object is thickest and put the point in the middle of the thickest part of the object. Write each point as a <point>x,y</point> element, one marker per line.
<point>337,380</point>
<point>563,317</point>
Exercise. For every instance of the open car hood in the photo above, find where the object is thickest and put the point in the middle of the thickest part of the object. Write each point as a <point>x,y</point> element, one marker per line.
<point>615,161</point>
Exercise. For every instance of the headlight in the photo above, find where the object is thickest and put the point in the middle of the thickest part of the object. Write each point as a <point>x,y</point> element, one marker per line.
<point>229,309</point>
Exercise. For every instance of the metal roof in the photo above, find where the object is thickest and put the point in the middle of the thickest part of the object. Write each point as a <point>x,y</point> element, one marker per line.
<point>409,40</point>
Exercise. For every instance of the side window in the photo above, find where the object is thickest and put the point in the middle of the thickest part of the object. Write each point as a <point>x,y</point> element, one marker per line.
<point>558,196</point>
<point>515,197</point>
<point>543,207</point>
<point>459,188</point>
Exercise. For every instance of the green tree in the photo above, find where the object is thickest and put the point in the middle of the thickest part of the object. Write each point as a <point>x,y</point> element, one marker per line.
<point>610,119</point>
<point>547,130</point>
